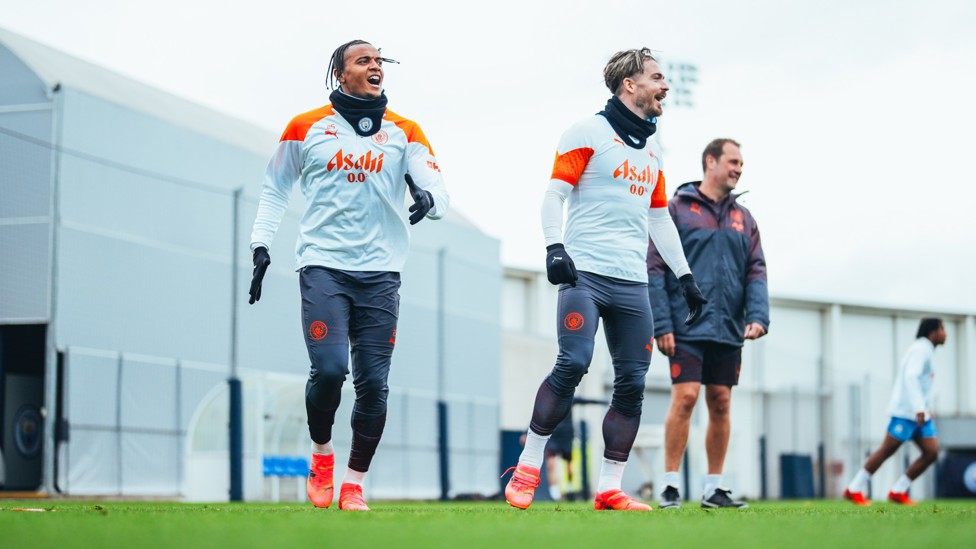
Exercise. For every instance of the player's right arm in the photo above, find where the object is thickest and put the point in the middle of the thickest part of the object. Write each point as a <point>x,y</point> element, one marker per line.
<point>283,171</point>
<point>572,155</point>
<point>279,178</point>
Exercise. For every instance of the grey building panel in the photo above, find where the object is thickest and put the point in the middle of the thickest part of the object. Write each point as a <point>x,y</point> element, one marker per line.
<point>119,294</point>
<point>25,276</point>
<point>25,165</point>
<point>472,348</point>
<point>147,395</point>
<point>197,387</point>
<point>151,142</point>
<point>93,462</point>
<point>145,210</point>
<point>29,125</point>
<point>150,464</point>
<point>91,386</point>
<point>20,83</point>
<point>25,205</point>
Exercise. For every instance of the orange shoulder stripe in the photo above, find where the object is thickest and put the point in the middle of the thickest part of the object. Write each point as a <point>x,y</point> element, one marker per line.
<point>659,198</point>
<point>410,128</point>
<point>569,166</point>
<point>298,127</point>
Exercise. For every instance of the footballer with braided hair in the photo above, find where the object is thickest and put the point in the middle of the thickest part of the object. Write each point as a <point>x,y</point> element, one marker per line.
<point>354,160</point>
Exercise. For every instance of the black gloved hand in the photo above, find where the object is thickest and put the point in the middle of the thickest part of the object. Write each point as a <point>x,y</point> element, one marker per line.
<point>261,261</point>
<point>693,297</point>
<point>422,201</point>
<point>560,268</point>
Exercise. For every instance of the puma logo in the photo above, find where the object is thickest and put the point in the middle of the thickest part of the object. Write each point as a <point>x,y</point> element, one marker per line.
<point>557,258</point>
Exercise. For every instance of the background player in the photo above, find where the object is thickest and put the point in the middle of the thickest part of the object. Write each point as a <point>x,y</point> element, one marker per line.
<point>911,417</point>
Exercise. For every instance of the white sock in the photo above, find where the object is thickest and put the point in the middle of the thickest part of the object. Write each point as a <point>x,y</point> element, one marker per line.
<point>535,449</point>
<point>353,477</point>
<point>860,481</point>
<point>554,492</point>
<point>611,475</point>
<point>711,483</point>
<point>901,485</point>
<point>324,449</point>
<point>672,478</point>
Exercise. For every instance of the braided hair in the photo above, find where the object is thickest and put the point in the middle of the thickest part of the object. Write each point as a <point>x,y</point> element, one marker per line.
<point>625,64</point>
<point>928,325</point>
<point>338,62</point>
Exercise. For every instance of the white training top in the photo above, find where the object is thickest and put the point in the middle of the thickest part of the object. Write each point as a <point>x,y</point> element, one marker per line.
<point>616,198</point>
<point>913,386</point>
<point>354,190</point>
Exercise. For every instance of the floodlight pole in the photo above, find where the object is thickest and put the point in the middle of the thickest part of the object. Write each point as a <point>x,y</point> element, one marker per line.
<point>236,421</point>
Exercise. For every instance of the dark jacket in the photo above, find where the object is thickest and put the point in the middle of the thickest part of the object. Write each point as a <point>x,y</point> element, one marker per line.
<point>721,242</point>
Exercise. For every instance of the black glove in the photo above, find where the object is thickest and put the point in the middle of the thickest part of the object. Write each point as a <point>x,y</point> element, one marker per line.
<point>693,296</point>
<point>422,201</point>
<point>559,266</point>
<point>261,262</point>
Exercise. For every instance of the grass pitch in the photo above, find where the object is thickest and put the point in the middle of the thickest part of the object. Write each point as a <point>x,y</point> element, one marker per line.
<point>821,524</point>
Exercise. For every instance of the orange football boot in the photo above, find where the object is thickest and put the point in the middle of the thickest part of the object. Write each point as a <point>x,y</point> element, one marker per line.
<point>319,485</point>
<point>351,498</point>
<point>520,490</point>
<point>857,497</point>
<point>900,498</point>
<point>617,500</point>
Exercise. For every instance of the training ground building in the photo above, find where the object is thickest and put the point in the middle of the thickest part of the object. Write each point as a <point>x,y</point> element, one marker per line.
<point>125,217</point>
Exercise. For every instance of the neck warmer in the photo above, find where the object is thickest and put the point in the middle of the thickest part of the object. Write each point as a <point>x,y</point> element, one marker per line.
<point>632,129</point>
<point>365,115</point>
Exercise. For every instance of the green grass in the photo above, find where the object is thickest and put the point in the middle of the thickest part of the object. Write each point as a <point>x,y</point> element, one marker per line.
<point>822,524</point>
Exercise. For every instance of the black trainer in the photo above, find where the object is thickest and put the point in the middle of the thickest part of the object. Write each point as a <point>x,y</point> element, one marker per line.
<point>670,498</point>
<point>721,499</point>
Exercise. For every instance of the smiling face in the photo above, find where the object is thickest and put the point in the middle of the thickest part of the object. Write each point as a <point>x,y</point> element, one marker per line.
<point>362,72</point>
<point>724,172</point>
<point>648,88</point>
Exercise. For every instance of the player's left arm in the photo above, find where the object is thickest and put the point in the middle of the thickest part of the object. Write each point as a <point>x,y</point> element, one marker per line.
<point>422,166</point>
<point>757,291</point>
<point>664,235</point>
<point>663,232</point>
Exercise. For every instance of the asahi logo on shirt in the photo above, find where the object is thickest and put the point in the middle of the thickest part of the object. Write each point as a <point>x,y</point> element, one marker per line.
<point>629,172</point>
<point>367,162</point>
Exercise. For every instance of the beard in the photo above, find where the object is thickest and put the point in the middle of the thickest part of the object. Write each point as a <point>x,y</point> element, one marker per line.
<point>649,107</point>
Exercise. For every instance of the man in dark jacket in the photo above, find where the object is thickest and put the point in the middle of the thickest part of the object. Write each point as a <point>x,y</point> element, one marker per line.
<point>721,241</point>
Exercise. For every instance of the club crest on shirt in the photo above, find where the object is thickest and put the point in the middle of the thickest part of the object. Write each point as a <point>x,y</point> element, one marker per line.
<point>380,137</point>
<point>365,124</point>
<point>737,221</point>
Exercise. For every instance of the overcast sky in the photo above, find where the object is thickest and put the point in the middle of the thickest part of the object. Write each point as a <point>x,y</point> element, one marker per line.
<point>856,118</point>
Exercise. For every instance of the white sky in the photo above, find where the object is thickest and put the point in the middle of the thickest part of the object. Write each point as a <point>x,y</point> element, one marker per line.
<point>856,118</point>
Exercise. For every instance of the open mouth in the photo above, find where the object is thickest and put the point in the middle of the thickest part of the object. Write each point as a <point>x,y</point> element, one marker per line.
<point>374,80</point>
<point>660,96</point>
